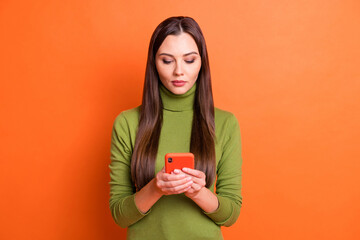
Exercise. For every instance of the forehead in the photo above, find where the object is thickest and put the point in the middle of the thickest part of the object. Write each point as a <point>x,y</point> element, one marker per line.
<point>178,44</point>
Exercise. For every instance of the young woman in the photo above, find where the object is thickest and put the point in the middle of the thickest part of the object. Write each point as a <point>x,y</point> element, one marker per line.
<point>177,115</point>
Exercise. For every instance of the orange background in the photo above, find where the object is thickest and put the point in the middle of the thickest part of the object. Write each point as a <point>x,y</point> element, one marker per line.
<point>289,71</point>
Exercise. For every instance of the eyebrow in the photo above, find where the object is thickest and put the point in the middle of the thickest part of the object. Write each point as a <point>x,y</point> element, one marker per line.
<point>186,54</point>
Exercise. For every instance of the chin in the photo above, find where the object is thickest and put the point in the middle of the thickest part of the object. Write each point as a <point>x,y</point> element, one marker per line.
<point>179,91</point>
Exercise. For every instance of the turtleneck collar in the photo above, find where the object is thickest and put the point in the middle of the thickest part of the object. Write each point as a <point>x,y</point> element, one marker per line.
<point>177,103</point>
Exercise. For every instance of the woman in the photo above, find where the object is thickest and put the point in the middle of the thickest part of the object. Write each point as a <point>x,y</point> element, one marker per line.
<point>177,115</point>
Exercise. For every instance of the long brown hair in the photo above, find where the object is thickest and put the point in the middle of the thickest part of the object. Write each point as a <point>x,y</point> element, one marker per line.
<point>202,143</point>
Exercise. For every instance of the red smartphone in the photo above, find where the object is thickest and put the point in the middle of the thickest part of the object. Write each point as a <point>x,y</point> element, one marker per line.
<point>178,161</point>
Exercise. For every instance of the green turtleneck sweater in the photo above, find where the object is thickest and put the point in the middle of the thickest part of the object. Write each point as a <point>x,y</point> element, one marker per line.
<point>175,216</point>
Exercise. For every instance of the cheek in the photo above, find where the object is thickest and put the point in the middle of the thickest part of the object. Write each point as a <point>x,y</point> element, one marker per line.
<point>163,72</point>
<point>195,71</point>
<point>160,70</point>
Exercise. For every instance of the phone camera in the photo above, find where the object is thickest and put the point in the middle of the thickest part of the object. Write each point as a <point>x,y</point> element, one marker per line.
<point>170,160</point>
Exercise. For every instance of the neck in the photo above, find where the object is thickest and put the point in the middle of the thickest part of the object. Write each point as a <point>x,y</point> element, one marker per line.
<point>177,102</point>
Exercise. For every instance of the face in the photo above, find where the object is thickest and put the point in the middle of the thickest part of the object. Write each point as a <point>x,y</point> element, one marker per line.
<point>178,63</point>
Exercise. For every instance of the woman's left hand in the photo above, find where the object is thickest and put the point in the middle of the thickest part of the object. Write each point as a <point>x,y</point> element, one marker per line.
<point>201,195</point>
<point>198,179</point>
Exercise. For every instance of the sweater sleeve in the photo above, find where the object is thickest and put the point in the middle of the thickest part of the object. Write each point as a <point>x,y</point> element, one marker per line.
<point>229,173</point>
<point>122,191</point>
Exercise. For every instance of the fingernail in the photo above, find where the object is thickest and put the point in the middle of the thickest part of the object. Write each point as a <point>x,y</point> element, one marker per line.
<point>185,169</point>
<point>188,178</point>
<point>176,171</point>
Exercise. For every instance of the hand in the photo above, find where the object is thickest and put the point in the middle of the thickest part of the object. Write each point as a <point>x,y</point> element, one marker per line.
<point>168,184</point>
<point>198,179</point>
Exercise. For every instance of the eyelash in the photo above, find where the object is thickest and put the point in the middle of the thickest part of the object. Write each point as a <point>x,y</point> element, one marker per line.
<point>188,62</point>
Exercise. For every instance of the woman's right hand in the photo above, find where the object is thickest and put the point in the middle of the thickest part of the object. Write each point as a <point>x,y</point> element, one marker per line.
<point>168,184</point>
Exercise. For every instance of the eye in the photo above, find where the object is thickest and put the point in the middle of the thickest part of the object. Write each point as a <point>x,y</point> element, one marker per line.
<point>166,61</point>
<point>189,61</point>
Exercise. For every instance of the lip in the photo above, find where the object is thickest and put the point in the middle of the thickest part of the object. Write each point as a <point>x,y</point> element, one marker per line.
<point>178,83</point>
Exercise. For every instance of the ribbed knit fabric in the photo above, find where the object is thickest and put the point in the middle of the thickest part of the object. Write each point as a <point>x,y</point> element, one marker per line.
<point>175,216</point>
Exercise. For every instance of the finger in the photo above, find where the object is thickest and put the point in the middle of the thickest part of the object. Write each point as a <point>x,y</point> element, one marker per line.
<point>169,187</point>
<point>194,172</point>
<point>178,189</point>
<point>178,171</point>
<point>171,177</point>
<point>181,190</point>
<point>194,188</point>
<point>199,181</point>
<point>186,189</point>
<point>173,184</point>
<point>190,190</point>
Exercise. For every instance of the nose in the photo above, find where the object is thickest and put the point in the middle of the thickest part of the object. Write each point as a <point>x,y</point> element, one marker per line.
<point>178,71</point>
